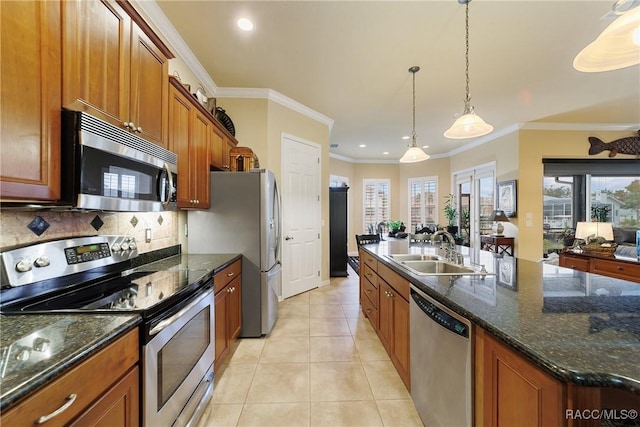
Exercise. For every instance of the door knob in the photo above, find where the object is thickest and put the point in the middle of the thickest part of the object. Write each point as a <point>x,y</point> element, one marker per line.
<point>288,238</point>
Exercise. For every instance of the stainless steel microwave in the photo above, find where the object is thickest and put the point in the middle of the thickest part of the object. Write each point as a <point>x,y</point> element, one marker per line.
<point>108,168</point>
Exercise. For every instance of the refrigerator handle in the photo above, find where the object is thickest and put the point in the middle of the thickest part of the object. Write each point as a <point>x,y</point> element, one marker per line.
<point>278,220</point>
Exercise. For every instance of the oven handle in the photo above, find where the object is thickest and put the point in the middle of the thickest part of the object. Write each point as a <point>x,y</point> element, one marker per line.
<point>169,190</point>
<point>168,322</point>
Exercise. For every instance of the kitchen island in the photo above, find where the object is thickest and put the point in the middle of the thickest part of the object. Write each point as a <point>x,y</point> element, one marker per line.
<point>578,328</point>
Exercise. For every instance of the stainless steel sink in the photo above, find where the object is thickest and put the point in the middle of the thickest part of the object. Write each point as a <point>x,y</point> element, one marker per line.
<point>413,257</point>
<point>435,267</point>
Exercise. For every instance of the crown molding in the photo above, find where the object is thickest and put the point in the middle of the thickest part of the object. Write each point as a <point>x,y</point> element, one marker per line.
<point>159,20</point>
<point>277,97</point>
<point>579,126</point>
<point>167,31</point>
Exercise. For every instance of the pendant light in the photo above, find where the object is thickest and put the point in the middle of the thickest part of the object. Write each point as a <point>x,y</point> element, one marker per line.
<point>618,46</point>
<point>414,154</point>
<point>469,125</point>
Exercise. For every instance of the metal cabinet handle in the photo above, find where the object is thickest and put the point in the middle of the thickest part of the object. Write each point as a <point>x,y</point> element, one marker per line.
<point>70,399</point>
<point>230,274</point>
<point>288,238</point>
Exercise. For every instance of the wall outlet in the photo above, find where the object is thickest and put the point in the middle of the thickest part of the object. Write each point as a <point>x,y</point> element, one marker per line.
<point>147,235</point>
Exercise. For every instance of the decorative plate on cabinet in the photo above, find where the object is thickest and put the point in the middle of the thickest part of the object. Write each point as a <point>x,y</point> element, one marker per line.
<point>222,117</point>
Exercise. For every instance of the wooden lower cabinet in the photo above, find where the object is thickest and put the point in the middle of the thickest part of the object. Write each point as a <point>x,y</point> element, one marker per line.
<point>228,309</point>
<point>104,389</point>
<point>384,304</point>
<point>511,391</point>
<point>619,269</point>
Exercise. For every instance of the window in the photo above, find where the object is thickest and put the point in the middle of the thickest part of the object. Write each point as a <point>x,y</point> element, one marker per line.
<point>574,190</point>
<point>376,203</point>
<point>423,202</point>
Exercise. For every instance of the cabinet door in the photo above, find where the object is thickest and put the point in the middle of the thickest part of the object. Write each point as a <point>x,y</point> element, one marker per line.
<point>199,160</point>
<point>216,149</point>
<point>221,337</point>
<point>96,60</point>
<point>514,391</point>
<point>179,137</point>
<point>149,88</point>
<point>400,344</point>
<point>235,308</point>
<point>118,407</point>
<point>385,313</point>
<point>31,99</point>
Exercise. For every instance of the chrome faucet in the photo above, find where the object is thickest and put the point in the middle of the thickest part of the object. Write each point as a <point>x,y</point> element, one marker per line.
<point>450,253</point>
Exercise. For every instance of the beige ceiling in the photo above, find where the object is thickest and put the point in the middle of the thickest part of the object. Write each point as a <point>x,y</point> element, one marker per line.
<point>349,60</point>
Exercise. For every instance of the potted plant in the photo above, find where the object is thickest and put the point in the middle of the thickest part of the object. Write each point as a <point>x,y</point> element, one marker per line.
<point>568,236</point>
<point>394,227</point>
<point>451,212</point>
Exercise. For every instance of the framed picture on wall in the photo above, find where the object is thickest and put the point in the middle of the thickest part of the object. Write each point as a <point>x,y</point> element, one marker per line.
<point>506,197</point>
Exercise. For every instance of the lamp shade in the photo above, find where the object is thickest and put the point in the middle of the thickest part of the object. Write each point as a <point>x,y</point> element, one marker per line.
<point>413,155</point>
<point>618,46</point>
<point>602,229</point>
<point>468,126</point>
<point>498,215</point>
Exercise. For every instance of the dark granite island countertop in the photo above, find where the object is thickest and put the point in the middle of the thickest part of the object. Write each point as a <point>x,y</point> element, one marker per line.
<point>582,328</point>
<point>71,339</point>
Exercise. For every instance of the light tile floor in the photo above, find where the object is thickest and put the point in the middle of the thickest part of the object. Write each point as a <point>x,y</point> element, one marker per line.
<point>322,365</point>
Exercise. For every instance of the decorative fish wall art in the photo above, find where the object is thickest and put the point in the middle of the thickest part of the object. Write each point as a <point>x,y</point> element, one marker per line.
<point>628,145</point>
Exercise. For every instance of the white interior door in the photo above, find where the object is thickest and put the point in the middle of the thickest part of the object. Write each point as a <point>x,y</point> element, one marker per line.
<point>300,216</point>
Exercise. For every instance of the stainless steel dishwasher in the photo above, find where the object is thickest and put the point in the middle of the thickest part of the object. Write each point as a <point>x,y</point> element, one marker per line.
<point>440,362</point>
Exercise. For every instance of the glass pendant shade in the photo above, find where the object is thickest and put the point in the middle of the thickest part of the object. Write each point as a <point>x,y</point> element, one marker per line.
<point>414,155</point>
<point>618,46</point>
<point>468,125</point>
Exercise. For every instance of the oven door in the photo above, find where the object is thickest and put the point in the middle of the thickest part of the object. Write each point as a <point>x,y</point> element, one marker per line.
<point>178,364</point>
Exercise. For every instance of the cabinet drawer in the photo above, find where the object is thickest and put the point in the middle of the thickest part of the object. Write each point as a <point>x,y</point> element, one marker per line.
<point>226,275</point>
<point>617,269</point>
<point>370,291</point>
<point>369,274</point>
<point>397,282</point>
<point>576,263</point>
<point>370,311</point>
<point>368,259</point>
<point>103,369</point>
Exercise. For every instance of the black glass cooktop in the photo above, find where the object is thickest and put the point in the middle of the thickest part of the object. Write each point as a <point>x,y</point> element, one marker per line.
<point>140,291</point>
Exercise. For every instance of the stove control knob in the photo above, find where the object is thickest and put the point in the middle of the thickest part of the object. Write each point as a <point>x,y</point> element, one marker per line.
<point>116,247</point>
<point>132,244</point>
<point>42,261</point>
<point>24,265</point>
<point>124,246</point>
<point>41,344</point>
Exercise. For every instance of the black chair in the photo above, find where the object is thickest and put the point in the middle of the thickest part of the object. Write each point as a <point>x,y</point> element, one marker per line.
<point>363,239</point>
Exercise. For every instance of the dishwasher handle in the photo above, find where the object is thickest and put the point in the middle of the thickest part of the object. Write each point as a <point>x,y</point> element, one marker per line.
<point>440,316</point>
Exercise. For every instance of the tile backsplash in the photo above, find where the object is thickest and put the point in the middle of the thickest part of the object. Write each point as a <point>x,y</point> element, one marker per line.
<point>22,227</point>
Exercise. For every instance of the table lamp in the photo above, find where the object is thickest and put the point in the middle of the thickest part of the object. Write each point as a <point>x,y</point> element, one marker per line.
<point>497,216</point>
<point>587,229</point>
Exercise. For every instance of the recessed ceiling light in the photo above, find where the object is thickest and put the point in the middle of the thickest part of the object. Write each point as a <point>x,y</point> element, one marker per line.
<point>425,146</point>
<point>385,152</point>
<point>362,145</point>
<point>406,137</point>
<point>245,24</point>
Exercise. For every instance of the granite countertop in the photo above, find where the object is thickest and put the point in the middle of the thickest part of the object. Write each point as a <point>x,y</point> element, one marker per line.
<point>581,328</point>
<point>74,337</point>
<point>71,338</point>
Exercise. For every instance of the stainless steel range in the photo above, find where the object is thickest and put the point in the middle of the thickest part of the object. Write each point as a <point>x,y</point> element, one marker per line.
<point>95,275</point>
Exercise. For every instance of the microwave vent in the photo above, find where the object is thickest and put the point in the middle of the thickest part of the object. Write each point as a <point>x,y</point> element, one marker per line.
<point>96,126</point>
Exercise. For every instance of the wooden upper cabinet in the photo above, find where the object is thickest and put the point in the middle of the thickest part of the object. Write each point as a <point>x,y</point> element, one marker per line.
<point>221,146</point>
<point>113,70</point>
<point>149,89</point>
<point>30,101</point>
<point>189,137</point>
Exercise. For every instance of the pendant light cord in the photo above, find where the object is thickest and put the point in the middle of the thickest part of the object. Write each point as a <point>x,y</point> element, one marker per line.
<point>413,135</point>
<point>467,101</point>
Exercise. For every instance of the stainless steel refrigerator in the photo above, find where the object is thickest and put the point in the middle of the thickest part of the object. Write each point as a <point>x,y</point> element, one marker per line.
<point>244,217</point>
